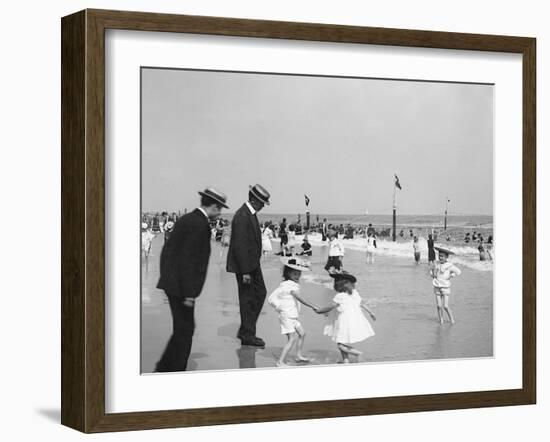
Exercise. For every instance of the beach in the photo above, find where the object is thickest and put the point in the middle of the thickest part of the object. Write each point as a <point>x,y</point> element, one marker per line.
<point>397,290</point>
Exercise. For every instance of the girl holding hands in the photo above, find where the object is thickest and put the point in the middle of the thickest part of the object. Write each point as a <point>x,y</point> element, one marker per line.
<point>350,324</point>
<point>286,301</point>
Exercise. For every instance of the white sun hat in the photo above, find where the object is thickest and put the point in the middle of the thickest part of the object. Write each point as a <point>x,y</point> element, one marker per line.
<point>296,263</point>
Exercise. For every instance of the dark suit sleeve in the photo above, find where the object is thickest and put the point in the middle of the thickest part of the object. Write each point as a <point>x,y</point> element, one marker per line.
<point>169,253</point>
<point>193,262</point>
<point>244,258</point>
<point>184,259</point>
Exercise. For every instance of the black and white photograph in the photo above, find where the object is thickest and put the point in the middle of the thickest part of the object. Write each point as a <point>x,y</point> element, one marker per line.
<point>254,221</point>
<point>290,221</point>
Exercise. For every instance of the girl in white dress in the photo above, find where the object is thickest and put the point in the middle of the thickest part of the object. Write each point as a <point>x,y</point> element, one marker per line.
<point>291,245</point>
<point>350,324</point>
<point>267,234</point>
<point>146,239</point>
<point>416,250</point>
<point>371,245</point>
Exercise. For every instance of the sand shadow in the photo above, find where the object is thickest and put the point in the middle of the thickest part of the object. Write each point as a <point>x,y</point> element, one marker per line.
<point>191,362</point>
<point>317,356</point>
<point>322,357</point>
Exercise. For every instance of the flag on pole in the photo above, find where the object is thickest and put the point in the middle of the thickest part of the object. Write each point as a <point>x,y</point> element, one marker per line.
<point>397,184</point>
<point>307,200</point>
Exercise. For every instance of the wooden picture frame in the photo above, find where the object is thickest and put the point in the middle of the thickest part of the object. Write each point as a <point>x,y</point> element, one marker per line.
<point>83,220</point>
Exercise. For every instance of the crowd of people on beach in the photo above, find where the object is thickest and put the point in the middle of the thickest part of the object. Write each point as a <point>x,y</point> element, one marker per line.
<point>247,243</point>
<point>286,233</point>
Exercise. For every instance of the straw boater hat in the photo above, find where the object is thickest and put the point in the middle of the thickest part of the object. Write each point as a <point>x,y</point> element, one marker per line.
<point>343,275</point>
<point>296,263</point>
<point>261,193</point>
<point>217,196</point>
<point>444,250</point>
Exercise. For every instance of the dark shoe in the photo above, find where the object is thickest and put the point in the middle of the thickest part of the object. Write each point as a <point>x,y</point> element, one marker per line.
<point>253,342</point>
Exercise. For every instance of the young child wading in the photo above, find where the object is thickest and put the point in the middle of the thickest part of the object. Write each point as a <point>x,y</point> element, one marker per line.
<point>350,325</point>
<point>442,272</point>
<point>335,252</point>
<point>286,301</point>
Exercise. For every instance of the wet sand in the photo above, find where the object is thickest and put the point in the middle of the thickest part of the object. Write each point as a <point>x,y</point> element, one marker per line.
<point>398,291</point>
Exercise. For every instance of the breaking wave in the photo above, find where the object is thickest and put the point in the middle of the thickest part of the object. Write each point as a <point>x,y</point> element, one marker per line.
<point>466,255</point>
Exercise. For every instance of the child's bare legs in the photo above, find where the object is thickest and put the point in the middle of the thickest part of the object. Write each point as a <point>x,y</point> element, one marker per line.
<point>288,346</point>
<point>448,309</point>
<point>438,302</point>
<point>347,350</point>
<point>301,337</point>
<point>345,356</point>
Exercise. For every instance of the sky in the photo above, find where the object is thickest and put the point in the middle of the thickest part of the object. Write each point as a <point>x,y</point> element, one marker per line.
<point>338,140</point>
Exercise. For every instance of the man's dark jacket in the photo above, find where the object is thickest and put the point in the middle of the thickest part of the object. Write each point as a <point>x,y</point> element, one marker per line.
<point>245,247</point>
<point>184,257</point>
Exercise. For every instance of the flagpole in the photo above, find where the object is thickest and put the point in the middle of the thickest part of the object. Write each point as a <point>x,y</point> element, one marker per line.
<point>307,213</point>
<point>394,236</point>
<point>446,209</point>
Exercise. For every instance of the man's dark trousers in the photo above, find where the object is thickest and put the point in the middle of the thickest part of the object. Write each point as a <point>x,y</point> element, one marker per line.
<point>177,350</point>
<point>251,301</point>
<point>183,266</point>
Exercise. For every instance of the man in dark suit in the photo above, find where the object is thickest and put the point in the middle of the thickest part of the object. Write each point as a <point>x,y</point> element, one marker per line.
<point>243,259</point>
<point>183,266</point>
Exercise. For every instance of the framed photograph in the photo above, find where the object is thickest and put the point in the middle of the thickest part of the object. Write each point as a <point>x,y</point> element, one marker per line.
<point>268,220</point>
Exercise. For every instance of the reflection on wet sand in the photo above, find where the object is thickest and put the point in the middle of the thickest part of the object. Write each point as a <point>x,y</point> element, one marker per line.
<point>247,356</point>
<point>398,291</point>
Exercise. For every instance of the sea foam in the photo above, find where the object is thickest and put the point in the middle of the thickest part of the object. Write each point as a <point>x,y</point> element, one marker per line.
<point>465,255</point>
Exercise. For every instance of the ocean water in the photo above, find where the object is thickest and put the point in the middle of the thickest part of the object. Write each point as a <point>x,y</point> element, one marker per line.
<point>466,254</point>
<point>467,222</point>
